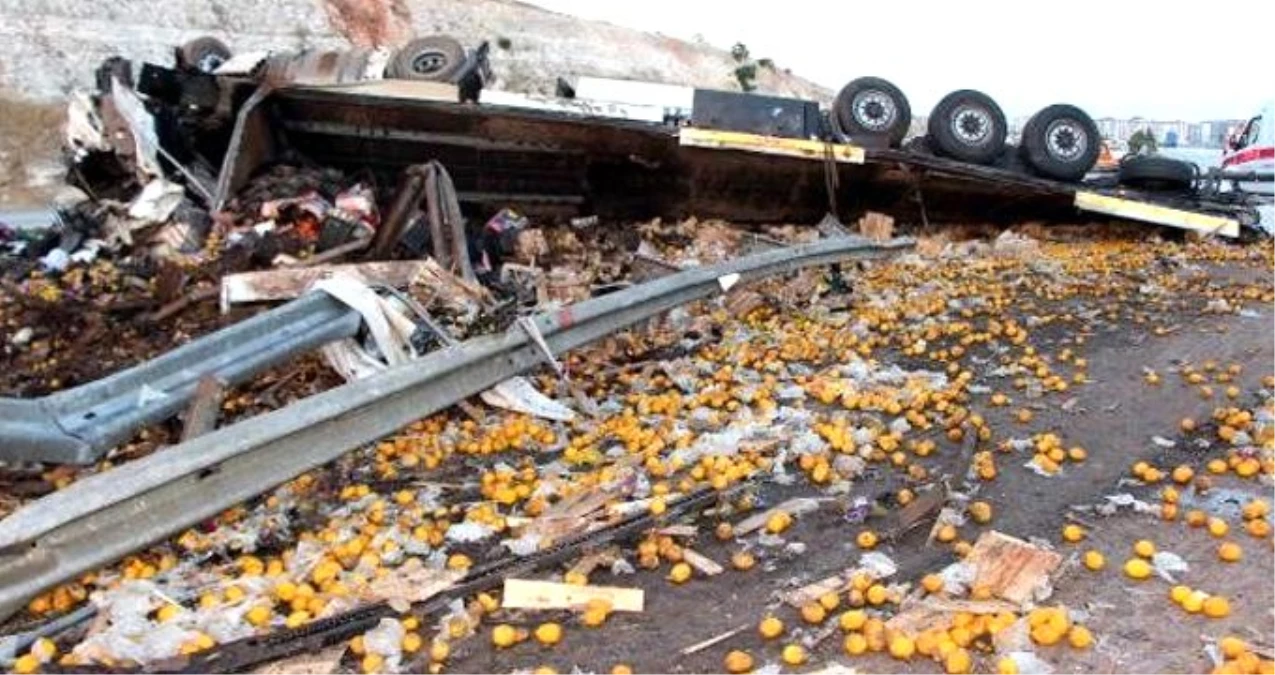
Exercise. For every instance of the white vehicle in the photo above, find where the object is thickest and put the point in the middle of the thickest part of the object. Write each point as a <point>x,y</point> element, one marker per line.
<point>1253,150</point>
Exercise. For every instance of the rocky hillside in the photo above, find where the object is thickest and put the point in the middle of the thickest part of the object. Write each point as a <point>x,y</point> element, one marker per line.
<point>48,47</point>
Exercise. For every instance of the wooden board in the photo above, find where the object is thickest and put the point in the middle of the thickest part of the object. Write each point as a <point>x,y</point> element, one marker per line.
<point>528,594</point>
<point>1159,215</point>
<point>1011,568</point>
<point>287,283</point>
<point>769,145</point>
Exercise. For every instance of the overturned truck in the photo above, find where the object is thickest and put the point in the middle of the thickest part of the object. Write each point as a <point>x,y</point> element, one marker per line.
<point>745,157</point>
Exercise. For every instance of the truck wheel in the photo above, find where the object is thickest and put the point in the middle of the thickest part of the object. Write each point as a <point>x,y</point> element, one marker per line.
<point>435,58</point>
<point>1061,142</point>
<point>204,54</point>
<point>872,107</point>
<point>969,126</point>
<point>1150,172</point>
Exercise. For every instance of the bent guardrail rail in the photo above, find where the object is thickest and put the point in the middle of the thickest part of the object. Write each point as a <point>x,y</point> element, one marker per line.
<point>104,517</point>
<point>78,425</point>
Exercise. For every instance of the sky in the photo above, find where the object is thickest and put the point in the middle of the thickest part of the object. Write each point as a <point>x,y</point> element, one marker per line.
<point>1192,61</point>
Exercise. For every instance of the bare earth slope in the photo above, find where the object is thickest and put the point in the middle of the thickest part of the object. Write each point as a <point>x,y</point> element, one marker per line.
<point>48,47</point>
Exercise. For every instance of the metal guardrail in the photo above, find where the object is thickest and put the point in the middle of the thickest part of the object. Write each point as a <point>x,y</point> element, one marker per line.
<point>78,425</point>
<point>104,517</point>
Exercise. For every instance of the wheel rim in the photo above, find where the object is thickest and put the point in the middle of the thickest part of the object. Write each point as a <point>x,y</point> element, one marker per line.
<point>873,110</point>
<point>209,62</point>
<point>429,62</point>
<point>1065,140</point>
<point>972,125</point>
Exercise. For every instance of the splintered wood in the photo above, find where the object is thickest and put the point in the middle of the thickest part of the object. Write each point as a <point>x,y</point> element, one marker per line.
<point>1011,568</point>
<point>876,226</point>
<point>528,594</point>
<point>411,582</point>
<point>812,592</point>
<point>287,283</point>
<point>918,616</point>
<point>702,564</point>
<point>793,507</point>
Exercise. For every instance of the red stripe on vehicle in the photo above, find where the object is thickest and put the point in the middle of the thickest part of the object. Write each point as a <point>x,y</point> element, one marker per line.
<point>1250,155</point>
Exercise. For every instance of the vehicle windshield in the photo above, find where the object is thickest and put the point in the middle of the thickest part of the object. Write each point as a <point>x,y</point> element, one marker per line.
<point>1251,132</point>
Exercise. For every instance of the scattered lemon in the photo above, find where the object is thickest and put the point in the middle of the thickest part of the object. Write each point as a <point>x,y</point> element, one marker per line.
<point>1144,548</point>
<point>1006,666</point>
<point>770,627</point>
<point>1232,647</point>
<point>1179,593</point>
<point>743,561</point>
<point>1230,551</point>
<point>1094,560</point>
<point>793,655</point>
<point>958,661</point>
<point>852,620</point>
<point>1073,533</point>
<point>855,644</point>
<point>877,594</point>
<point>1217,607</point>
<point>504,635</point>
<point>1194,603</point>
<point>902,647</point>
<point>549,634</point>
<point>680,573</point>
<point>867,539</point>
<point>813,612</point>
<point>1080,637</point>
<point>1218,527</point>
<point>738,662</point>
<point>932,583</point>
<point>1137,568</point>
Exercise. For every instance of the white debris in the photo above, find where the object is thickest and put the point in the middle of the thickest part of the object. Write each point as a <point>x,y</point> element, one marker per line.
<point>468,531</point>
<point>877,565</point>
<point>622,566</point>
<point>1167,564</point>
<point>22,336</point>
<point>1163,442</point>
<point>387,641</point>
<point>957,577</point>
<point>522,546</point>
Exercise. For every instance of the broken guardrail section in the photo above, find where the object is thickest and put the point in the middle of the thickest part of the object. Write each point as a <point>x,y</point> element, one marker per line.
<point>107,516</point>
<point>78,425</point>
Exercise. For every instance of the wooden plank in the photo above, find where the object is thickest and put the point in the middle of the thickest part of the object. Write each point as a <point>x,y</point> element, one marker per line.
<point>812,592</point>
<point>1011,568</point>
<point>287,283</point>
<point>1154,213</point>
<point>204,408</point>
<point>529,594</point>
<point>702,563</point>
<point>769,145</point>
<point>917,617</point>
<point>794,507</point>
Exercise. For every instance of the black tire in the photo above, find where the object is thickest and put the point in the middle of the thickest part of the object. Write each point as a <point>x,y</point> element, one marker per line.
<point>436,58</point>
<point>1151,172</point>
<point>1061,142</point>
<point>969,126</point>
<point>871,108</point>
<point>204,54</point>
